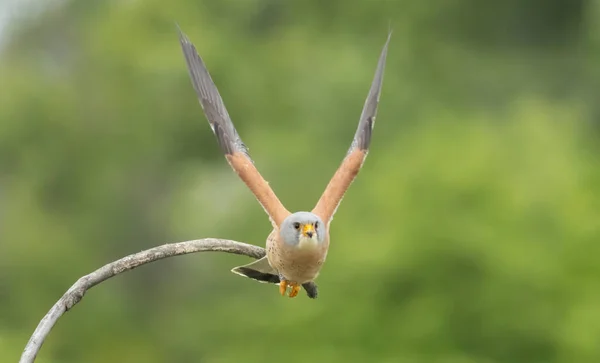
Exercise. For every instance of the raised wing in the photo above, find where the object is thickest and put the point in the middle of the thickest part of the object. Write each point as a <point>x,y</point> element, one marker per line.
<point>230,142</point>
<point>343,177</point>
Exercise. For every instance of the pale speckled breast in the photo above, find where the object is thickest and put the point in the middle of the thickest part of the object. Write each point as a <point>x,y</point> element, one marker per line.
<point>298,265</point>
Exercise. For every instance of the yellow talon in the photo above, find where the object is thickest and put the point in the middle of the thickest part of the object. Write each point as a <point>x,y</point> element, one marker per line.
<point>295,290</point>
<point>283,285</point>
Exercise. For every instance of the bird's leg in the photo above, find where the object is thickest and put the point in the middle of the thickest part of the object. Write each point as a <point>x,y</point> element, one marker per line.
<point>295,289</point>
<point>283,287</point>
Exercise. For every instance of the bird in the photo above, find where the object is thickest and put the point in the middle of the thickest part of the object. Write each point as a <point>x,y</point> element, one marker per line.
<point>298,244</point>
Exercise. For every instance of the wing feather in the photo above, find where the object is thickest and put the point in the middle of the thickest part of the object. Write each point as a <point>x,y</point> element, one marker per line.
<point>352,163</point>
<point>228,138</point>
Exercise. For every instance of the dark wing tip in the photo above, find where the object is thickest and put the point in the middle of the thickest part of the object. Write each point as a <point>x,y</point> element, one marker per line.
<point>210,99</point>
<point>366,131</point>
<point>222,138</point>
<point>362,138</point>
<point>183,38</point>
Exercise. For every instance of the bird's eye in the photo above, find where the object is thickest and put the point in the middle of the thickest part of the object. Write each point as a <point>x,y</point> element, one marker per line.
<point>297,225</point>
<point>316,225</point>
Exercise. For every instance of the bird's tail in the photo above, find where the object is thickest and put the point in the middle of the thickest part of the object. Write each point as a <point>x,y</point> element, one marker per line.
<point>259,270</point>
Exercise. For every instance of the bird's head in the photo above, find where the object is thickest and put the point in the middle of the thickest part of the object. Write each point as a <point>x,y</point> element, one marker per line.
<point>303,229</point>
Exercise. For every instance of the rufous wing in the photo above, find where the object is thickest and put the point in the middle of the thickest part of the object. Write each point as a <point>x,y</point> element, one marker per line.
<point>230,142</point>
<point>352,163</point>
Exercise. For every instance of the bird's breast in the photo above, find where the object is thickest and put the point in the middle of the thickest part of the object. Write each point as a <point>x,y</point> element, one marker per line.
<point>300,263</point>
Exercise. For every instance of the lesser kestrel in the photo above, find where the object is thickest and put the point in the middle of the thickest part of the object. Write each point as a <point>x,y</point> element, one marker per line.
<point>298,244</point>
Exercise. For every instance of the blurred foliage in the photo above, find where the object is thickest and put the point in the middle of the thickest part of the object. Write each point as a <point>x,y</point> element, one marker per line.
<point>471,235</point>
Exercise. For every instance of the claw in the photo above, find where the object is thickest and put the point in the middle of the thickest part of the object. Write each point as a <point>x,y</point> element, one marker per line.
<point>295,290</point>
<point>283,287</point>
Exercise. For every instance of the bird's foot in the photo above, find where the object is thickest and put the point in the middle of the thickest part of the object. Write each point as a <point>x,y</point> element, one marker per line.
<point>295,288</point>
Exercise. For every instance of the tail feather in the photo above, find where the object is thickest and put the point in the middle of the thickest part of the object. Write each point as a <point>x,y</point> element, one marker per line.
<point>259,270</point>
<point>256,275</point>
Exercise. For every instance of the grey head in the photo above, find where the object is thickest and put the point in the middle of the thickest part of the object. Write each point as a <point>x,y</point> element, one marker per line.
<point>303,229</point>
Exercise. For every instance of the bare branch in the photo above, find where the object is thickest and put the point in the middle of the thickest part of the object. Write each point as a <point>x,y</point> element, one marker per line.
<point>79,288</point>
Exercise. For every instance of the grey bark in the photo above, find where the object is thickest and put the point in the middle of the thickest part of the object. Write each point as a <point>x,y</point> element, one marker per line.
<point>79,288</point>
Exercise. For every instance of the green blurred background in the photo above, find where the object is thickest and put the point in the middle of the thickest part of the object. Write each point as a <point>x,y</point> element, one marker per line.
<point>472,233</point>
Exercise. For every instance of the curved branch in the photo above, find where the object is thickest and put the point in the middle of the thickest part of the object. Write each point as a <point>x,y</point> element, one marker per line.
<point>79,288</point>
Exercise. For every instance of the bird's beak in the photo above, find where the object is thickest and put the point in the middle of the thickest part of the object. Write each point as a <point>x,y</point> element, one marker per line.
<point>308,230</point>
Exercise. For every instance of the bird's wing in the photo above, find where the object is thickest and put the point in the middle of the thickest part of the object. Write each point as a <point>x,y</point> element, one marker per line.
<point>345,174</point>
<point>230,142</point>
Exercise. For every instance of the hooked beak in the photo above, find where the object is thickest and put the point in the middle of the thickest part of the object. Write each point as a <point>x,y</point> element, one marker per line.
<point>308,230</point>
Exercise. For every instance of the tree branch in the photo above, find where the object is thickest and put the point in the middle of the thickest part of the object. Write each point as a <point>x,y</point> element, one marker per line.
<point>79,288</point>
